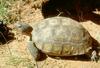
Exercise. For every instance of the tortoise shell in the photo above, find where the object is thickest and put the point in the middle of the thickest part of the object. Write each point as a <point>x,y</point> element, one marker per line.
<point>61,36</point>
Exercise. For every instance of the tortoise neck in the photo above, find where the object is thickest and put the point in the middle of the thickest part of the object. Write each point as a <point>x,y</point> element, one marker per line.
<point>30,37</point>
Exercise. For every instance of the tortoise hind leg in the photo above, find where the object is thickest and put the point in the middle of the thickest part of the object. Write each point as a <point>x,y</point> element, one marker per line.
<point>94,56</point>
<point>33,50</point>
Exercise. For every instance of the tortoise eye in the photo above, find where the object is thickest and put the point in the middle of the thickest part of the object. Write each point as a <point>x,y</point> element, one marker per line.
<point>19,26</point>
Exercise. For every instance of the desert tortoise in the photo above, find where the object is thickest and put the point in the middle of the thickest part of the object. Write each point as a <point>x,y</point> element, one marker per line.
<point>57,36</point>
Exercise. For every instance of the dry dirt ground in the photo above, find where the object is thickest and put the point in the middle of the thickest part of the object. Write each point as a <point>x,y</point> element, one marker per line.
<point>16,55</point>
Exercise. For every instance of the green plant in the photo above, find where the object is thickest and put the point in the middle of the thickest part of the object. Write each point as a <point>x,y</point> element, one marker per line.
<point>4,9</point>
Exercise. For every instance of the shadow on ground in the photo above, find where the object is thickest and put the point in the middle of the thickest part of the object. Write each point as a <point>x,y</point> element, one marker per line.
<point>5,34</point>
<point>80,10</point>
<point>75,58</point>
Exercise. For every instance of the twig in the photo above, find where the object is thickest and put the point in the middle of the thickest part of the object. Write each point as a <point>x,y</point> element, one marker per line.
<point>59,13</point>
<point>6,42</point>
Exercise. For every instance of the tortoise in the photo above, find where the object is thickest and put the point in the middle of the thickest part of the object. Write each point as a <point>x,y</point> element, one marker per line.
<point>58,36</point>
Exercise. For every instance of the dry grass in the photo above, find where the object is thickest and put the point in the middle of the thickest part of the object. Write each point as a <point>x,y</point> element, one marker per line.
<point>14,10</point>
<point>16,55</point>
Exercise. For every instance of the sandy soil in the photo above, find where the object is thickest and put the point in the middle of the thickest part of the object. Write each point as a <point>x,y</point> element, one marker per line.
<point>16,55</point>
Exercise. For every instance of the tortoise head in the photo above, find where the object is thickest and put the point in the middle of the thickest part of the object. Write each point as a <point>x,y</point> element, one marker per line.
<point>24,28</point>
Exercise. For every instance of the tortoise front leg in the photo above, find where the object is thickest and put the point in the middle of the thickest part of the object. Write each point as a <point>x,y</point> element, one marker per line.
<point>33,50</point>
